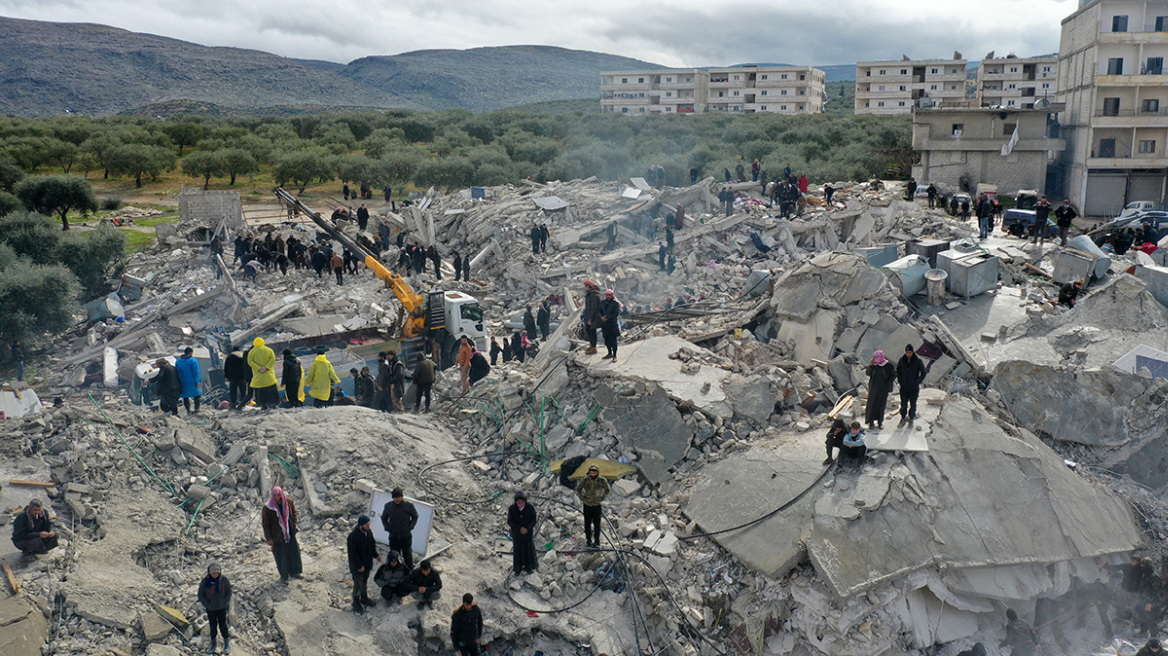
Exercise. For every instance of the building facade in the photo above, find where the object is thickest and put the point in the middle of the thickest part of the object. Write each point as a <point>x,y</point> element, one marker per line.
<point>747,89</point>
<point>960,148</point>
<point>1011,82</point>
<point>895,87</point>
<point>1112,77</point>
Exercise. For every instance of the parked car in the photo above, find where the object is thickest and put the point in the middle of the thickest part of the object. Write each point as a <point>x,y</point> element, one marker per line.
<point>1026,218</point>
<point>1026,199</point>
<point>1137,206</point>
<point>991,191</point>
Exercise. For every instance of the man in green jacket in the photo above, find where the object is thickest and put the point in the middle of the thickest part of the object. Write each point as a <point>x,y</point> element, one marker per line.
<point>592,492</point>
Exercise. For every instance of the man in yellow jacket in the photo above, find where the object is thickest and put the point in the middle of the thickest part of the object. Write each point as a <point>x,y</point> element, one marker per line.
<point>262,361</point>
<point>321,378</point>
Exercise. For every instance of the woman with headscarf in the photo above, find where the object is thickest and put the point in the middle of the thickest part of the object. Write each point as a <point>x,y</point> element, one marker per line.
<point>279,519</point>
<point>610,309</point>
<point>881,376</point>
<point>262,360</point>
<point>321,378</point>
<point>521,521</point>
<point>215,596</point>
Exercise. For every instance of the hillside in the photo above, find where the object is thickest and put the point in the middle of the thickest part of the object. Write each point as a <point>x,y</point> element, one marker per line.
<point>483,79</point>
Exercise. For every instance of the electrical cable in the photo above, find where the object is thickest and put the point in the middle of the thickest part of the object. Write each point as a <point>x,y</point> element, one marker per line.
<point>767,516</point>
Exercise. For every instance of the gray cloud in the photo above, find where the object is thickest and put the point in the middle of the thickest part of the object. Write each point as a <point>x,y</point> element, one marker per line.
<point>675,33</point>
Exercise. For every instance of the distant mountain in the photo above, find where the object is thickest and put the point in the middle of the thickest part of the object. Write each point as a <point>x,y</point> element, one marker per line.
<point>58,68</point>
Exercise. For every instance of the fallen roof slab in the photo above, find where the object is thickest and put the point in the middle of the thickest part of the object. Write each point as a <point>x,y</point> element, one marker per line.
<point>648,361</point>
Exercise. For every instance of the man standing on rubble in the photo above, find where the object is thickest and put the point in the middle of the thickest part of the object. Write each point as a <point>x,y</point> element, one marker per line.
<point>591,315</point>
<point>881,375</point>
<point>910,373</point>
<point>1019,635</point>
<point>338,265</point>
<point>457,261</point>
<point>398,518</point>
<point>535,239</point>
<point>424,374</point>
<point>384,403</point>
<point>235,371</point>
<point>365,389</point>
<point>320,379</point>
<point>543,319</point>
<point>262,361</point>
<point>931,192</point>
<point>610,323</point>
<point>293,380</point>
<point>528,320</point>
<point>984,211</point>
<point>280,525</point>
<point>592,490</point>
<point>189,376</point>
<point>1041,216</point>
<point>544,233</point>
<point>32,531</point>
<point>1064,215</point>
<point>362,552</point>
<point>397,381</point>
<point>521,521</point>
<point>465,350</point>
<point>362,217</point>
<point>479,369</point>
<point>168,385</point>
<point>466,627</point>
<point>215,596</point>
<point>662,251</point>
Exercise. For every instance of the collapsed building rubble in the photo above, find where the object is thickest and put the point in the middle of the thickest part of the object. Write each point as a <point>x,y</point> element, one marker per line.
<point>726,531</point>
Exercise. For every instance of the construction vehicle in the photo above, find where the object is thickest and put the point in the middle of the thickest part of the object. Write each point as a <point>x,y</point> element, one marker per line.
<point>435,322</point>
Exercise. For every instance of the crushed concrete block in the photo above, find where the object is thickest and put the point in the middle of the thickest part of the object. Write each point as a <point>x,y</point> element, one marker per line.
<point>162,650</point>
<point>194,441</point>
<point>939,369</point>
<point>365,485</point>
<point>626,487</point>
<point>198,492</point>
<point>23,628</point>
<point>172,615</point>
<point>651,424</point>
<point>154,628</point>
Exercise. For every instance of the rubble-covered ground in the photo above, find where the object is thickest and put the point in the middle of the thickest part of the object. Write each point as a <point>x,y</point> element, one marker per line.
<point>1037,456</point>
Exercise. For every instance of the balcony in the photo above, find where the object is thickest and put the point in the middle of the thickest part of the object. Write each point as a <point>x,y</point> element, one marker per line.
<point>947,142</point>
<point>1130,118</point>
<point>1148,35</point>
<point>1143,80</point>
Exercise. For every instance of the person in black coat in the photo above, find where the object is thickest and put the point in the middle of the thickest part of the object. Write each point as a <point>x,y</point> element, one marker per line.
<point>236,372</point>
<point>168,386</point>
<point>457,261</point>
<point>478,367</point>
<point>910,373</point>
<point>466,627</point>
<point>529,322</point>
<point>544,233</point>
<point>32,530</point>
<point>835,439</point>
<point>290,377</point>
<point>517,351</point>
<point>543,319</point>
<point>362,218</point>
<point>398,518</point>
<point>881,375</point>
<point>362,552</point>
<point>424,584</point>
<point>393,577</point>
<point>215,596</point>
<point>496,351</point>
<point>521,520</point>
<point>535,235</point>
<point>610,323</point>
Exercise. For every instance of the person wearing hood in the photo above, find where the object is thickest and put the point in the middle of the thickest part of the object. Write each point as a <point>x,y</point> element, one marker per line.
<point>169,386</point>
<point>262,360</point>
<point>591,314</point>
<point>1019,635</point>
<point>235,372</point>
<point>529,321</point>
<point>362,552</point>
<point>215,596</point>
<point>293,379</point>
<point>279,521</point>
<point>466,627</point>
<point>189,375</point>
<point>479,368</point>
<point>521,521</point>
<point>321,378</point>
<point>592,490</point>
<point>881,376</point>
<point>610,322</point>
<point>835,439</point>
<point>392,578</point>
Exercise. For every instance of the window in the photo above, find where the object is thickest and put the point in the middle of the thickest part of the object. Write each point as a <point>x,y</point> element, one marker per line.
<point>880,104</point>
<point>1013,69</point>
<point>903,88</point>
<point>883,72</point>
<point>1119,23</point>
<point>1162,23</point>
<point>1045,69</point>
<point>764,77</point>
<point>1147,146</point>
<point>802,92</point>
<point>933,88</point>
<point>1107,147</point>
<point>1155,66</point>
<point>958,129</point>
<point>640,80</point>
<point>902,103</point>
<point>868,73</point>
<point>1111,106</point>
<point>721,94</point>
<point>934,71</point>
<point>904,71</point>
<point>1152,105</point>
<point>1008,128</point>
<point>624,80</point>
<point>955,71</point>
<point>1046,85</point>
<point>1013,86</point>
<point>783,76</point>
<point>880,88</point>
<point>783,107</point>
<point>669,109</point>
<point>735,93</point>
<point>783,92</point>
<point>1009,103</point>
<point>764,108</point>
<point>802,77</point>
<point>668,79</point>
<point>952,87</point>
<point>624,110</point>
<point>668,94</point>
<point>737,77</point>
<point>764,92</point>
<point>1115,66</point>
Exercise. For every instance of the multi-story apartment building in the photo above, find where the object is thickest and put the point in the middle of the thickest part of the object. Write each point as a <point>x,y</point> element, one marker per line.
<point>895,87</point>
<point>774,89</point>
<point>747,89</point>
<point>662,91</point>
<point>1112,77</point>
<point>1013,82</point>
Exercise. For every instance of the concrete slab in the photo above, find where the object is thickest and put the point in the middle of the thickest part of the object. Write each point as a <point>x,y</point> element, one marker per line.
<point>651,424</point>
<point>23,628</point>
<point>813,339</point>
<point>648,361</point>
<point>908,438</point>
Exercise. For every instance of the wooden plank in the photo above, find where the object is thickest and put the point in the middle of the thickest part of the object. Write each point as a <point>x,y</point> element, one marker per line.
<point>840,406</point>
<point>18,481</point>
<point>12,582</point>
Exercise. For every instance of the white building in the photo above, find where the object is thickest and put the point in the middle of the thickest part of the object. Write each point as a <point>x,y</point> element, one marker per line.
<point>746,89</point>
<point>661,91</point>
<point>894,87</point>
<point>1017,83</point>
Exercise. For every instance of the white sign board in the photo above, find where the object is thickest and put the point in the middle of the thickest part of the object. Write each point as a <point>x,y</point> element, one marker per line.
<point>421,532</point>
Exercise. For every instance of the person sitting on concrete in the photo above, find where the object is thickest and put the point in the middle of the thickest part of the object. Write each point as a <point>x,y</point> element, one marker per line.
<point>425,584</point>
<point>835,439</point>
<point>32,531</point>
<point>1069,293</point>
<point>854,449</point>
<point>393,578</point>
<point>466,627</point>
<point>215,596</point>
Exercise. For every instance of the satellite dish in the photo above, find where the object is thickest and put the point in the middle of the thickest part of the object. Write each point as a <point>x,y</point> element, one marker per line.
<point>1042,104</point>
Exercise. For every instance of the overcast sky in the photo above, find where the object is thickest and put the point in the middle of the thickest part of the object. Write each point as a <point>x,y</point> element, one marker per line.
<point>672,33</point>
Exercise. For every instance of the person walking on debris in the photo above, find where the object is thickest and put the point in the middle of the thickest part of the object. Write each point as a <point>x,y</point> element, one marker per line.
<point>881,376</point>
<point>262,361</point>
<point>457,261</point>
<point>436,260</point>
<point>662,251</point>
<point>189,376</point>
<point>535,239</point>
<point>384,403</point>
<point>235,371</point>
<point>397,381</point>
<point>591,314</point>
<point>528,320</point>
<point>1020,637</point>
<point>366,389</point>
<point>362,551</point>
<point>693,175</point>
<point>965,209</point>
<point>835,439</point>
<point>592,490</point>
<point>32,531</point>
<point>18,356</point>
<point>521,521</point>
<point>496,351</point>
<point>611,231</point>
<point>280,523</point>
<point>466,627</point>
<point>362,217</point>
<point>610,322</point>
<point>984,212</point>
<point>465,350</point>
<point>215,596</point>
<point>169,386</point>
<point>319,260</point>
<point>479,369</point>
<point>910,373</point>
<point>931,193</point>
<point>338,266</point>
<point>392,578</point>
<point>518,350</point>
<point>1041,216</point>
<point>320,379</point>
<point>424,374</point>
<point>293,380</point>
<point>425,585</point>
<point>398,518</point>
<point>544,233</point>
<point>854,449</point>
<point>1064,215</point>
<point>543,319</point>
<point>466,268</point>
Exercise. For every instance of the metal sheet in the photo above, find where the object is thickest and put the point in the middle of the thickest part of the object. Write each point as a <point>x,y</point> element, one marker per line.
<point>631,193</point>
<point>551,203</point>
<point>640,183</point>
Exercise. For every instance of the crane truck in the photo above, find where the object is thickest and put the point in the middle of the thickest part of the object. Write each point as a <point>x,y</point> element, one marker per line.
<point>435,321</point>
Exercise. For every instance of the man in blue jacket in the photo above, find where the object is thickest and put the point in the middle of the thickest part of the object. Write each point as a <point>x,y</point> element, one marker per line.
<point>188,376</point>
